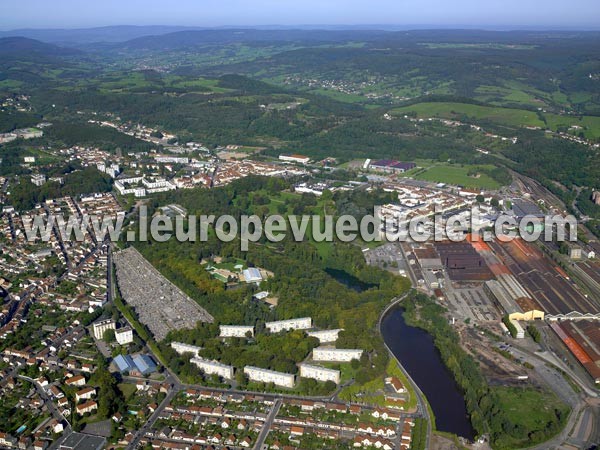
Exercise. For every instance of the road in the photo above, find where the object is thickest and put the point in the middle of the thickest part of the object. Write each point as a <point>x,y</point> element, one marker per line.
<point>53,410</point>
<point>153,418</point>
<point>267,425</point>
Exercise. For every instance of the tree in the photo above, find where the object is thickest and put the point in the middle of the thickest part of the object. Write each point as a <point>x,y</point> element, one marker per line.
<point>109,336</point>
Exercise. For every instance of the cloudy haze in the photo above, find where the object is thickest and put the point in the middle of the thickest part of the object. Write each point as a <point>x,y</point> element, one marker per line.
<point>576,14</point>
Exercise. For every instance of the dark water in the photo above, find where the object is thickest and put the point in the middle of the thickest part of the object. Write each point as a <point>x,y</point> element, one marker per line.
<point>348,280</point>
<point>414,348</point>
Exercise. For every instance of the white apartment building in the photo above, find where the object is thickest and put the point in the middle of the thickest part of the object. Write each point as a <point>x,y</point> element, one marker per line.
<point>181,348</point>
<point>326,335</point>
<point>130,185</point>
<point>319,373</point>
<point>172,159</point>
<point>235,330</point>
<point>38,179</point>
<point>100,327</point>
<point>269,376</point>
<point>124,335</point>
<point>213,367</point>
<point>303,323</point>
<point>336,354</point>
<point>157,185</point>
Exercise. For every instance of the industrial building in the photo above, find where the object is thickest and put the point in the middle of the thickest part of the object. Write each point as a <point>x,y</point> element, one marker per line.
<point>388,165</point>
<point>582,338</point>
<point>240,331</point>
<point>319,373</point>
<point>326,336</point>
<point>213,367</point>
<point>181,348</point>
<point>138,365</point>
<point>76,441</point>
<point>303,323</point>
<point>269,376</point>
<point>462,261</point>
<point>513,299</point>
<point>428,258</point>
<point>336,354</point>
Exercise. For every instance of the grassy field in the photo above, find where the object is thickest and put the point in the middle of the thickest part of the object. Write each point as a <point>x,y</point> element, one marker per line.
<point>458,175</point>
<point>511,117</point>
<point>532,409</point>
<point>505,116</point>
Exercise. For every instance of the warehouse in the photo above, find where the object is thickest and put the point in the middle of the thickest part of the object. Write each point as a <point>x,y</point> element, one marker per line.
<point>428,258</point>
<point>139,364</point>
<point>388,165</point>
<point>582,338</point>
<point>513,299</point>
<point>462,262</point>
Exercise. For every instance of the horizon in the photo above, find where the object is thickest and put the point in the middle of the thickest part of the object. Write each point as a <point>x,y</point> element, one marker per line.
<point>391,27</point>
<point>507,15</point>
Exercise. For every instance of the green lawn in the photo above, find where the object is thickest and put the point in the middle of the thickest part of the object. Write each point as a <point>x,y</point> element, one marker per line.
<point>127,389</point>
<point>458,175</point>
<point>531,409</point>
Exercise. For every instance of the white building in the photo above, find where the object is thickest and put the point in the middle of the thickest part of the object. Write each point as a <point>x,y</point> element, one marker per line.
<point>235,330</point>
<point>269,376</point>
<point>130,185</point>
<point>301,159</point>
<point>85,394</point>
<point>336,354</point>
<point>326,335</point>
<point>303,323</point>
<point>319,373</point>
<point>124,335</point>
<point>100,327</point>
<point>519,328</point>
<point>172,159</point>
<point>157,185</point>
<point>213,367</point>
<point>252,275</point>
<point>38,179</point>
<point>181,348</point>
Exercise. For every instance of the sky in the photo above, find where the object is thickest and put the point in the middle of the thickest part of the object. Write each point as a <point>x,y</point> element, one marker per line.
<point>574,14</point>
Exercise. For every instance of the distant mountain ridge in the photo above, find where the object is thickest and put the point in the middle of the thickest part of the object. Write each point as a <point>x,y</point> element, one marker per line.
<point>78,36</point>
<point>27,48</point>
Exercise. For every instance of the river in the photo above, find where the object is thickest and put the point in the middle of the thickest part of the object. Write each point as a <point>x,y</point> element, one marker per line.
<point>415,349</point>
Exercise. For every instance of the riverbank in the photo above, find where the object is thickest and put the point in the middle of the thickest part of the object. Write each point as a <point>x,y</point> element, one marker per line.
<point>492,413</point>
<point>415,350</point>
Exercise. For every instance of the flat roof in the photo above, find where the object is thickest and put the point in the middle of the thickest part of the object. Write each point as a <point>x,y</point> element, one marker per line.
<point>80,441</point>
